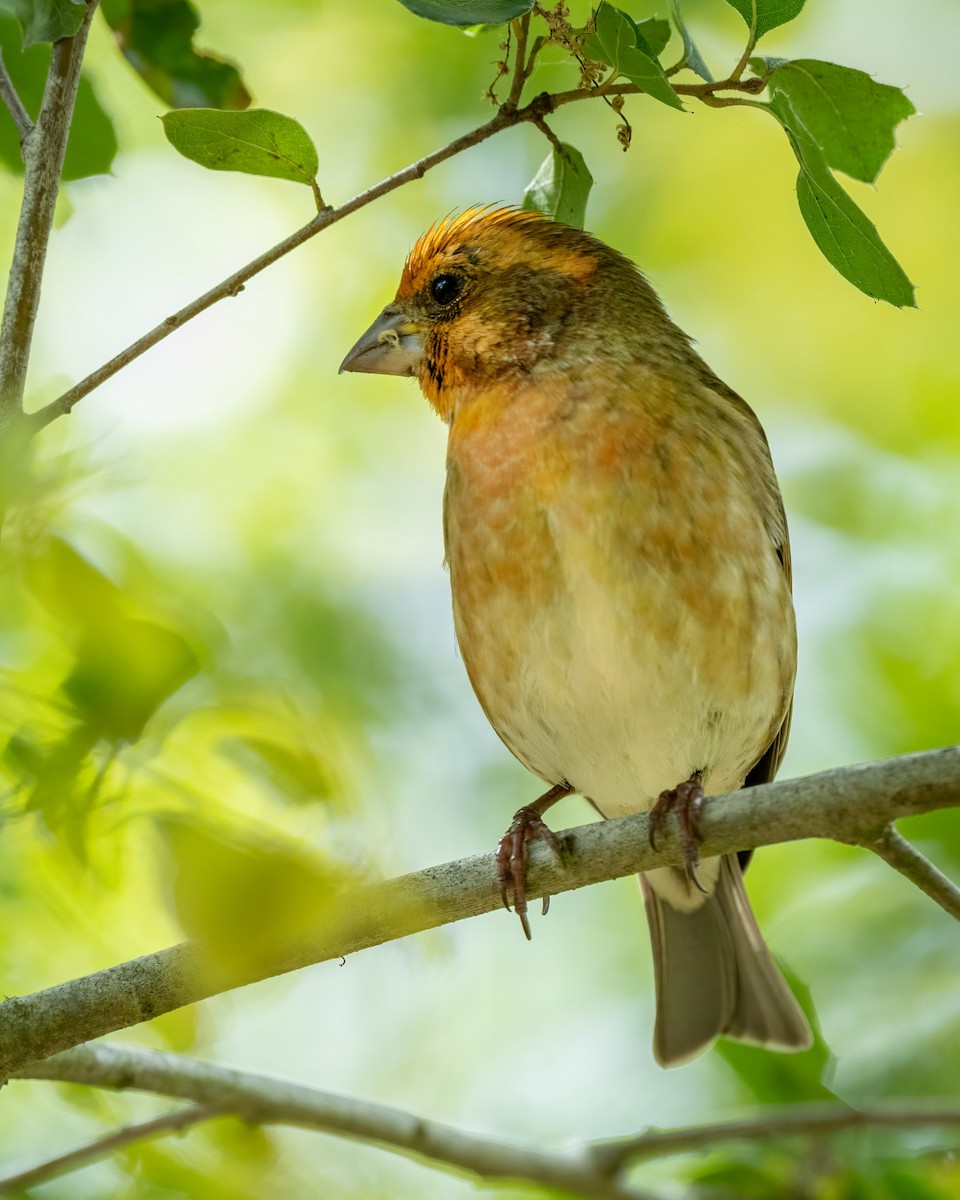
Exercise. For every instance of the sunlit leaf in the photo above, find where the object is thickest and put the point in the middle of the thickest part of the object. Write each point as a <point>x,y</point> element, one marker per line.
<point>850,116</point>
<point>614,41</point>
<point>468,12</point>
<point>561,187</point>
<point>847,238</point>
<point>156,37</point>
<point>256,142</point>
<point>46,20</point>
<point>92,143</point>
<point>242,898</point>
<point>691,54</point>
<point>57,781</point>
<point>124,672</point>
<point>293,770</point>
<point>125,666</point>
<point>763,15</point>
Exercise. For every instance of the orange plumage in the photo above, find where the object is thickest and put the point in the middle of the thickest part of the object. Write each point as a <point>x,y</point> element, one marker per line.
<point>619,565</point>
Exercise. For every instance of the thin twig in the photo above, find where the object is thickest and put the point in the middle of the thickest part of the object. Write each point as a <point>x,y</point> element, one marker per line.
<point>8,94</point>
<point>848,805</point>
<point>173,1122</point>
<point>550,135</point>
<point>505,118</point>
<point>521,28</point>
<point>899,854</point>
<point>267,1100</point>
<point>44,149</point>
<point>803,1120</point>
<point>751,44</point>
<point>589,1169</point>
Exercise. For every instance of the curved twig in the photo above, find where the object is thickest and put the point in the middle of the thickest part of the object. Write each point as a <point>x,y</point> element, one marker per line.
<point>589,1169</point>
<point>174,1122</point>
<point>507,117</point>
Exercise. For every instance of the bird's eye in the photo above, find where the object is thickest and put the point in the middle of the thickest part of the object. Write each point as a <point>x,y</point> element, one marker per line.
<point>446,288</point>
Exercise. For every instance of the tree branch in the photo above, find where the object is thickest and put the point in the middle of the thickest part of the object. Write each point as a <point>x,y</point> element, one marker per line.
<point>852,805</point>
<point>906,859</point>
<point>795,1120</point>
<point>44,148</point>
<point>267,1100</point>
<point>590,1169</point>
<point>173,1122</point>
<point>506,117</point>
<point>8,94</point>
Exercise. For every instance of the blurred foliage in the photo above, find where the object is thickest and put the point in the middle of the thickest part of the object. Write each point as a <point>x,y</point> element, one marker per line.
<point>156,38</point>
<point>227,673</point>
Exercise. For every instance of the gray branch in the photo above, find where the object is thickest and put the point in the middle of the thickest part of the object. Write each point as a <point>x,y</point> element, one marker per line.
<point>174,1122</point>
<point>44,147</point>
<point>853,805</point>
<point>590,1169</point>
<point>262,1099</point>
<point>8,94</point>
<point>906,859</point>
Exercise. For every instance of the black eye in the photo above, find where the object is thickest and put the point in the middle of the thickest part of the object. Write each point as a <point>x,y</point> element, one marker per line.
<point>446,288</point>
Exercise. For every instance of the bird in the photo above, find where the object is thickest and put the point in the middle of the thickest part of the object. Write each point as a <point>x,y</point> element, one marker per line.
<point>620,573</point>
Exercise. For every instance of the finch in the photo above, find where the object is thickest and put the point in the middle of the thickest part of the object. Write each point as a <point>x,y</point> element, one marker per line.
<point>620,571</point>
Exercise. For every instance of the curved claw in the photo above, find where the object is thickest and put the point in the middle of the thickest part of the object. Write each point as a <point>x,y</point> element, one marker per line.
<point>686,800</point>
<point>512,855</point>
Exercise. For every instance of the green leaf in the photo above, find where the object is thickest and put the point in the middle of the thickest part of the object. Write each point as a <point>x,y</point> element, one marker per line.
<point>243,898</point>
<point>779,1078</point>
<point>691,54</point>
<point>156,37</point>
<point>124,667</point>
<point>845,235</point>
<point>293,770</point>
<point>124,671</point>
<point>561,187</point>
<point>257,142</point>
<point>849,115</point>
<point>46,20</point>
<point>763,15</point>
<point>92,143</point>
<point>653,35</point>
<point>468,12</point>
<point>615,42</point>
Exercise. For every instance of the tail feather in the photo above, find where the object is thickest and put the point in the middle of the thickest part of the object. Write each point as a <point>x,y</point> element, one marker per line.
<point>715,976</point>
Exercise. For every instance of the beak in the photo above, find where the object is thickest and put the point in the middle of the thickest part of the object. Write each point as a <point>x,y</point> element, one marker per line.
<point>392,345</point>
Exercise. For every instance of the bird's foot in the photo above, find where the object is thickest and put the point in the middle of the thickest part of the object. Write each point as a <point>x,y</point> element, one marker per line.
<point>513,851</point>
<point>686,800</point>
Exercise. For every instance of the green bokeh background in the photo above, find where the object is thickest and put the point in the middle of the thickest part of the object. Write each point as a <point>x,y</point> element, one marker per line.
<point>233,557</point>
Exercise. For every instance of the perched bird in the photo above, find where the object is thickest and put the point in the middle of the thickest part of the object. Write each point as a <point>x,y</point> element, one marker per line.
<point>620,571</point>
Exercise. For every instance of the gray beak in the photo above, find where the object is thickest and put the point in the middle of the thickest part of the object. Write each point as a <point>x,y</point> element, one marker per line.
<point>391,346</point>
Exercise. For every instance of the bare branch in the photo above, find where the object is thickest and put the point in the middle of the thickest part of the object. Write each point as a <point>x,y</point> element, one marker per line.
<point>267,1100</point>
<point>44,148</point>
<point>589,1169</point>
<point>8,94</point>
<point>173,1122</point>
<point>906,859</point>
<point>535,112</point>
<point>852,805</point>
<point>799,1120</point>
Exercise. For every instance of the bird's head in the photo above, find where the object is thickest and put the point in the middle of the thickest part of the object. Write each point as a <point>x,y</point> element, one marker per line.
<point>501,293</point>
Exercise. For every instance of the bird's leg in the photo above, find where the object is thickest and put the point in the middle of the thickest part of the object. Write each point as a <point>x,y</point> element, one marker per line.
<point>685,800</point>
<point>512,850</point>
